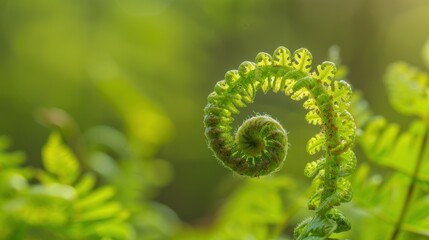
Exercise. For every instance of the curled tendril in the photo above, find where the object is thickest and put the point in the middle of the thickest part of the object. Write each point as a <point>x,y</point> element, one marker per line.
<point>260,145</point>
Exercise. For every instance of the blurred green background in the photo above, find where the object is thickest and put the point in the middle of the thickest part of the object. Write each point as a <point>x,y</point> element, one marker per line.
<point>63,53</point>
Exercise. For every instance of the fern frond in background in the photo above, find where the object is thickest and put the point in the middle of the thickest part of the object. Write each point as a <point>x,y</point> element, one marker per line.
<point>101,187</point>
<point>400,200</point>
<point>408,90</point>
<point>246,214</point>
<point>61,200</point>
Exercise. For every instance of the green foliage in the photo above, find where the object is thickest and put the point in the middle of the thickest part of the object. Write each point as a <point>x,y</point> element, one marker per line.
<point>385,145</point>
<point>408,90</point>
<point>397,201</point>
<point>145,123</point>
<point>261,148</point>
<point>127,162</point>
<point>248,215</point>
<point>59,160</point>
<point>170,49</point>
<point>382,199</point>
<point>98,188</point>
<point>62,199</point>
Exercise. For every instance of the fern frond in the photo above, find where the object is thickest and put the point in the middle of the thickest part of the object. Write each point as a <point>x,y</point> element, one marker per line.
<point>385,145</point>
<point>381,198</point>
<point>237,218</point>
<point>44,205</point>
<point>59,160</point>
<point>408,89</point>
<point>260,144</point>
<point>76,206</point>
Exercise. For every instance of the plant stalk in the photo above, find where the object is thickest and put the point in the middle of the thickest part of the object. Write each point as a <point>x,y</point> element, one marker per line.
<point>411,189</point>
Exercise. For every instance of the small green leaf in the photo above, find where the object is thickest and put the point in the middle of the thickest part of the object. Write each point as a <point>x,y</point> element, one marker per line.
<point>103,211</point>
<point>341,92</point>
<point>310,104</point>
<point>59,160</point>
<point>96,198</point>
<point>263,59</point>
<point>316,143</point>
<point>313,117</point>
<point>302,60</point>
<point>85,185</point>
<point>348,163</point>
<point>282,57</point>
<point>313,167</point>
<point>325,73</point>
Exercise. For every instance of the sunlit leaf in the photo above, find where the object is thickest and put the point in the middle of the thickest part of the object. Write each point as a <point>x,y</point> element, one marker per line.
<point>59,160</point>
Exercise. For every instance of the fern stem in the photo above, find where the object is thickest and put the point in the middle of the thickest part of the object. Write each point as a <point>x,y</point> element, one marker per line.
<point>411,189</point>
<point>260,144</point>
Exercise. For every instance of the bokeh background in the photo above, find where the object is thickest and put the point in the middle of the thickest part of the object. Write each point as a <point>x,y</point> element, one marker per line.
<point>168,54</point>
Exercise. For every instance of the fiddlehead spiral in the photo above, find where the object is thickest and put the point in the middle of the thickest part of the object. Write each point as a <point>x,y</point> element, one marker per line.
<point>259,146</point>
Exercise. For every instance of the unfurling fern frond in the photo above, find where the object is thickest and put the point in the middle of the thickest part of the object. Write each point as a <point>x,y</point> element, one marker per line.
<point>260,145</point>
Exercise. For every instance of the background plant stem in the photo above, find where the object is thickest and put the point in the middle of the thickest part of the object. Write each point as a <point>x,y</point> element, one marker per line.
<point>411,189</point>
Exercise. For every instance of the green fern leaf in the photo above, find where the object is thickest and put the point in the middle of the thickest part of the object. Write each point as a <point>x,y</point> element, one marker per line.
<point>310,104</point>
<point>341,92</point>
<point>59,160</point>
<point>43,205</point>
<point>408,89</point>
<point>316,143</point>
<point>325,73</point>
<point>238,217</point>
<point>348,163</point>
<point>300,94</point>
<point>282,57</point>
<point>382,200</point>
<point>313,167</point>
<point>302,60</point>
<point>101,212</point>
<point>313,117</point>
<point>346,130</point>
<point>85,184</point>
<point>96,198</point>
<point>289,86</point>
<point>384,145</point>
